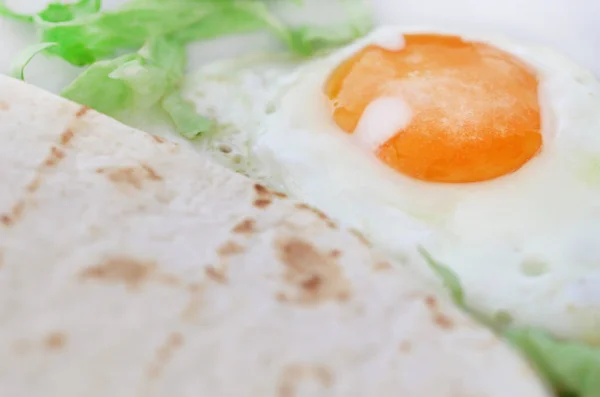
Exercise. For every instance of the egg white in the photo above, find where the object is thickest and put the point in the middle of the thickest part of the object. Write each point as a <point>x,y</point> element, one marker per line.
<point>526,245</point>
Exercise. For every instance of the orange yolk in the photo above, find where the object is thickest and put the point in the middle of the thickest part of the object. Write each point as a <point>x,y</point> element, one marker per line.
<point>475,110</point>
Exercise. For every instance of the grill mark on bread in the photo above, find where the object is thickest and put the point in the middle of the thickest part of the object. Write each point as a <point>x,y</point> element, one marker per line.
<point>382,266</point>
<point>431,302</point>
<point>293,375</point>
<point>34,185</point>
<point>56,154</point>
<point>230,248</point>
<point>438,317</point>
<point>132,176</point>
<point>153,175</point>
<point>335,253</point>
<point>55,340</point>
<point>264,196</point>
<point>133,273</point>
<point>66,136</point>
<point>443,321</point>
<point>15,214</point>
<point>190,311</point>
<point>262,203</point>
<point>4,105</point>
<point>314,277</point>
<point>130,272</point>
<point>164,354</point>
<point>261,190</point>
<point>218,275</point>
<point>82,111</point>
<point>405,347</point>
<point>246,226</point>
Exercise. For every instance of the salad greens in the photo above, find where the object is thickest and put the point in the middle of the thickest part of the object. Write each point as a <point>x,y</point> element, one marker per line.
<point>572,368</point>
<point>135,56</point>
<point>26,56</point>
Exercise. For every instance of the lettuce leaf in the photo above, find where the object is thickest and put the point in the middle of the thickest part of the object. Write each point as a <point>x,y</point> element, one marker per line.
<point>7,12</point>
<point>140,81</point>
<point>448,277</point>
<point>572,368</point>
<point>84,34</point>
<point>17,69</point>
<point>316,38</point>
<point>136,54</point>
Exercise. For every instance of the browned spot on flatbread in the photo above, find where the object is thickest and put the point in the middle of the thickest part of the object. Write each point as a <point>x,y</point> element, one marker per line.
<point>295,374</point>
<point>262,203</point>
<point>56,155</point>
<point>4,105</point>
<point>128,271</point>
<point>55,340</point>
<point>382,266</point>
<point>152,174</point>
<point>261,190</point>
<point>328,221</point>
<point>361,237</point>
<point>218,275</point>
<point>280,297</point>
<point>280,195</point>
<point>312,284</point>
<point>438,317</point>
<point>245,227</point>
<point>6,220</point>
<point>164,354</point>
<point>168,279</point>
<point>132,176</point>
<point>190,312</point>
<point>82,111</point>
<point>230,248</point>
<point>66,136</point>
<point>264,196</point>
<point>15,214</point>
<point>431,302</point>
<point>335,253</point>
<point>405,347</point>
<point>158,139</point>
<point>443,321</point>
<point>315,277</point>
<point>34,185</point>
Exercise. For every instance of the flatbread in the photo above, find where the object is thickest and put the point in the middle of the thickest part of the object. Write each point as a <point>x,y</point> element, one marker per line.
<point>132,266</point>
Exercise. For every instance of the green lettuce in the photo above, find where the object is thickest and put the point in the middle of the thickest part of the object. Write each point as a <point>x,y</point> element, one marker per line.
<point>572,368</point>
<point>140,81</point>
<point>135,55</point>
<point>19,64</point>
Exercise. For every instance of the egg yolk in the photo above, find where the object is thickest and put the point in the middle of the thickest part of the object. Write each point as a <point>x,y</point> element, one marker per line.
<point>475,110</point>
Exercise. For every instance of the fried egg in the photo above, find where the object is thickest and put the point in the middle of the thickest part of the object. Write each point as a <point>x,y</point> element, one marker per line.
<point>481,150</point>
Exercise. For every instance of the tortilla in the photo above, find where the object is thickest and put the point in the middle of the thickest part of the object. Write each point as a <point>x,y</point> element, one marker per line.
<point>133,266</point>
